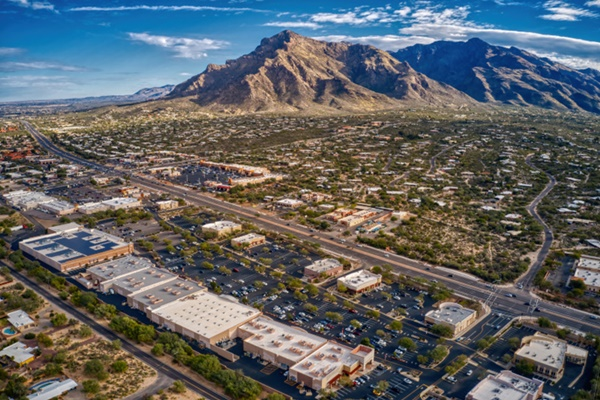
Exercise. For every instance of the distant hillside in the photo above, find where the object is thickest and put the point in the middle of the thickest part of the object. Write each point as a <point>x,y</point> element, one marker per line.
<point>289,72</point>
<point>497,74</point>
<point>34,107</point>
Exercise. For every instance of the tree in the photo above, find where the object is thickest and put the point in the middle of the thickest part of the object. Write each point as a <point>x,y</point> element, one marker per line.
<point>506,358</point>
<point>95,369</point>
<point>298,295</point>
<point>382,386</point>
<point>277,396</point>
<point>514,342</point>
<point>544,322</point>
<point>207,265</point>
<point>116,344</point>
<point>15,388</point>
<point>442,330</point>
<point>355,323</point>
<point>91,386</point>
<point>120,366</point>
<point>341,287</point>
<point>407,343</point>
<point>178,387</point>
<point>44,340</point>
<point>311,290</point>
<point>59,320</point>
<point>366,341</point>
<point>311,308</point>
<point>396,326</point>
<point>482,344</point>
<point>380,333</point>
<point>422,359</point>
<point>347,304</point>
<point>330,297</point>
<point>224,270</point>
<point>334,317</point>
<point>438,353</point>
<point>525,367</point>
<point>85,331</point>
<point>373,314</point>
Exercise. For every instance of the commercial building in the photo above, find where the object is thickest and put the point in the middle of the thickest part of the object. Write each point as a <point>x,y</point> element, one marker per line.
<point>92,208</point>
<point>205,317</point>
<point>25,200</point>
<point>53,390</point>
<point>359,281</point>
<point>453,315</point>
<point>222,228</point>
<point>549,354</point>
<point>18,353</point>
<point>75,247</point>
<point>167,204</point>
<point>280,344</point>
<point>587,270</point>
<point>137,282</point>
<point>323,267</point>
<point>326,365</point>
<point>248,241</point>
<point>155,297</point>
<point>20,320</point>
<point>58,207</point>
<point>122,203</point>
<point>507,386</point>
<point>103,275</point>
<point>290,204</point>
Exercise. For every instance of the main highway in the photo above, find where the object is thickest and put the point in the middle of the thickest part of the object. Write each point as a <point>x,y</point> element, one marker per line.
<point>504,299</point>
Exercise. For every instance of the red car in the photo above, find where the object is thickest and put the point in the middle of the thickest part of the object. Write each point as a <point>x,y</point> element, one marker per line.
<point>352,311</point>
<point>236,270</point>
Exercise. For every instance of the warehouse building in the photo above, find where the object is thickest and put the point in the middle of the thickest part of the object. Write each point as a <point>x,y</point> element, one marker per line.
<point>453,315</point>
<point>137,282</point>
<point>222,228</point>
<point>248,241</point>
<point>75,247</point>
<point>205,317</point>
<point>323,368</point>
<point>549,355</point>
<point>25,200</point>
<point>157,296</point>
<point>122,203</point>
<point>507,386</point>
<point>359,281</point>
<point>103,275</point>
<point>58,207</point>
<point>324,267</point>
<point>280,344</point>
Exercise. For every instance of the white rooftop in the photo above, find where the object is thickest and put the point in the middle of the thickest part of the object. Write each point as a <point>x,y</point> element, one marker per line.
<point>120,267</point>
<point>359,278</point>
<point>71,226</point>
<point>167,292</point>
<point>218,225</point>
<point>506,386</point>
<point>325,360</point>
<point>143,280</point>
<point>19,319</point>
<point>53,390</point>
<point>323,265</point>
<point>18,351</point>
<point>545,350</point>
<point>119,201</point>
<point>589,277</point>
<point>290,342</point>
<point>451,313</point>
<point>589,262</point>
<point>248,238</point>
<point>206,313</point>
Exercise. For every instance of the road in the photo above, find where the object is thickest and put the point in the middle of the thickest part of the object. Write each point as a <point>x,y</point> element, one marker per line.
<point>166,374</point>
<point>527,279</point>
<point>464,286</point>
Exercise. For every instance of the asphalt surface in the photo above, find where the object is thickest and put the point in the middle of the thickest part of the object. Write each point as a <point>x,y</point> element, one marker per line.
<point>166,374</point>
<point>527,279</point>
<point>465,286</point>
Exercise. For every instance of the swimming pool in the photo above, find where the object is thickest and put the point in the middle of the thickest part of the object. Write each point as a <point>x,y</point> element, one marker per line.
<point>43,384</point>
<point>9,331</point>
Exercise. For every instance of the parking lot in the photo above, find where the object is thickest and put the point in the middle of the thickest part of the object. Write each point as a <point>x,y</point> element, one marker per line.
<point>196,175</point>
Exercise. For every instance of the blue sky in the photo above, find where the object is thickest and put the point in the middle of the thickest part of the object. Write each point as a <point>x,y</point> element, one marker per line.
<point>58,49</point>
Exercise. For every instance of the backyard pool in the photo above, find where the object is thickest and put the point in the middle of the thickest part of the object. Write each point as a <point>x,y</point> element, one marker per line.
<point>9,331</point>
<point>41,385</point>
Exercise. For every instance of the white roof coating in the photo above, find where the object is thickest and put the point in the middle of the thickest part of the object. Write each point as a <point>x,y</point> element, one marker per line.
<point>359,278</point>
<point>18,351</point>
<point>248,238</point>
<point>19,319</point>
<point>323,265</point>
<point>206,313</point>
<point>143,280</point>
<point>590,278</point>
<point>222,225</point>
<point>53,390</point>
<point>287,341</point>
<point>119,201</point>
<point>71,226</point>
<point>120,267</point>
<point>589,262</point>
<point>451,313</point>
<point>545,350</point>
<point>506,386</point>
<point>167,292</point>
<point>325,360</point>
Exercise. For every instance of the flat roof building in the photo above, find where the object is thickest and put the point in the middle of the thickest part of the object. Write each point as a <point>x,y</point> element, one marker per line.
<point>53,390</point>
<point>280,344</point>
<point>289,203</point>
<point>157,296</point>
<point>323,267</point>
<point>453,315</point>
<point>588,271</point>
<point>248,241</point>
<point>103,275</point>
<point>549,354</point>
<point>360,281</point>
<point>18,353</point>
<point>138,281</point>
<point>58,207</point>
<point>26,200</point>
<point>122,203</point>
<point>75,248</point>
<point>20,320</point>
<point>167,204</point>
<point>205,317</point>
<point>507,386</point>
<point>91,208</point>
<point>323,368</point>
<point>222,228</point>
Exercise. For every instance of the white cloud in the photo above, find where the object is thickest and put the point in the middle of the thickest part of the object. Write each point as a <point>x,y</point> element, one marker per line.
<point>35,81</point>
<point>561,11</point>
<point>181,46</point>
<point>10,51</point>
<point>593,3</point>
<point>385,42</point>
<point>34,5</point>
<point>363,16</point>
<point>294,24</point>
<point>12,66</point>
<point>164,8</point>
<point>185,74</point>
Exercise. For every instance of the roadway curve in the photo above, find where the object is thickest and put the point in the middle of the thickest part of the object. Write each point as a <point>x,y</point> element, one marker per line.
<point>161,368</point>
<point>527,279</point>
<point>369,256</point>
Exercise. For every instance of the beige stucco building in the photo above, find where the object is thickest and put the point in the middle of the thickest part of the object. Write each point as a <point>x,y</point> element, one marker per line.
<point>360,281</point>
<point>453,315</point>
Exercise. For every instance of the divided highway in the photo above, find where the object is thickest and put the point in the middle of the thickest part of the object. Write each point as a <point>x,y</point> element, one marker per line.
<point>506,299</point>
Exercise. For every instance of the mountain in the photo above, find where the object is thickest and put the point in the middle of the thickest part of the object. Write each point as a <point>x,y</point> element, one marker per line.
<point>34,107</point>
<point>497,74</point>
<point>289,72</point>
